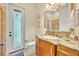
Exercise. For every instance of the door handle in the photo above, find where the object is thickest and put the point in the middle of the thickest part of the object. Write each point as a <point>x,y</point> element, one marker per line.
<point>10,34</point>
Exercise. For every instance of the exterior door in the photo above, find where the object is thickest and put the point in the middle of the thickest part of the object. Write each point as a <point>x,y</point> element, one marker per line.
<point>15,29</point>
<point>2,31</point>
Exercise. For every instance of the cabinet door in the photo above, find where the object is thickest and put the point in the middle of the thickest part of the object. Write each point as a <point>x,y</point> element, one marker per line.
<point>2,31</point>
<point>55,24</point>
<point>67,51</point>
<point>37,47</point>
<point>46,48</point>
<point>49,49</point>
<point>41,48</point>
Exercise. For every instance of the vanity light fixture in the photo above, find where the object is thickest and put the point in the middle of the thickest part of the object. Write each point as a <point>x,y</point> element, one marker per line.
<point>47,6</point>
<point>54,5</point>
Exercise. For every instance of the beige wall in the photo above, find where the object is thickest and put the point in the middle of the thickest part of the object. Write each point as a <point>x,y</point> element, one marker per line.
<point>40,8</point>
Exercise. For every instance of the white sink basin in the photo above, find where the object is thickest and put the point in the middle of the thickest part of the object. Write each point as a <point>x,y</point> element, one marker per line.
<point>47,37</point>
<point>50,37</point>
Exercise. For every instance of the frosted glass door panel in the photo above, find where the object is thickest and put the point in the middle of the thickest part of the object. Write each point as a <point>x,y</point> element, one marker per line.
<point>17,28</point>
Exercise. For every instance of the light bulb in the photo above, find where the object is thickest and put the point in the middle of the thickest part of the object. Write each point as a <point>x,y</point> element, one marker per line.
<point>47,5</point>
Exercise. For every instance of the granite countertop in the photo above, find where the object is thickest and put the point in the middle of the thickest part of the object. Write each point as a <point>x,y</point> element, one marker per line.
<point>51,39</point>
<point>70,44</point>
<point>55,40</point>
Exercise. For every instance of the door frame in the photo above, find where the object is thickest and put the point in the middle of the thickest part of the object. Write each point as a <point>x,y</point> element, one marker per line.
<point>10,8</point>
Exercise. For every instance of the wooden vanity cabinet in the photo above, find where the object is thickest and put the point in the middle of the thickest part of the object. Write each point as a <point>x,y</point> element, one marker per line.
<point>65,51</point>
<point>44,48</point>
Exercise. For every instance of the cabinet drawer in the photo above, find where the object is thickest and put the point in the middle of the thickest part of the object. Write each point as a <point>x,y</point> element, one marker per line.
<point>60,54</point>
<point>67,51</point>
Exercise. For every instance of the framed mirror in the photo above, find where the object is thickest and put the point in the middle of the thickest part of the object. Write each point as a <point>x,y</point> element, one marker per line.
<point>51,20</point>
<point>57,20</point>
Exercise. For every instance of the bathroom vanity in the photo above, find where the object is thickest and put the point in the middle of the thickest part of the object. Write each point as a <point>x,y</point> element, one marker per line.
<point>49,47</point>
